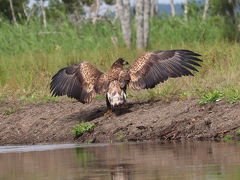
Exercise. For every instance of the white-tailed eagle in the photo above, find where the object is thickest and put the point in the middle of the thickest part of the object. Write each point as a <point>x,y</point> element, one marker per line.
<point>83,81</point>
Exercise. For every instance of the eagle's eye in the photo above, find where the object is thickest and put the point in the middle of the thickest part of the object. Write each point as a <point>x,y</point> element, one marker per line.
<point>125,63</point>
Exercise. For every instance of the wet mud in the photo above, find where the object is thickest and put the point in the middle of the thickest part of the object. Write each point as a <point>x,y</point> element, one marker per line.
<point>52,122</point>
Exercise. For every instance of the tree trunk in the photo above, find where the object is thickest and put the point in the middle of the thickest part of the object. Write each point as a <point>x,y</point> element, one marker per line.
<point>118,9</point>
<point>25,12</point>
<point>43,13</point>
<point>173,11</point>
<point>28,15</point>
<point>206,6</point>
<point>140,23</point>
<point>13,13</point>
<point>123,12</point>
<point>231,10</point>
<point>142,16</point>
<point>186,10</point>
<point>157,8</point>
<point>153,8</point>
<point>96,8</point>
<point>147,5</point>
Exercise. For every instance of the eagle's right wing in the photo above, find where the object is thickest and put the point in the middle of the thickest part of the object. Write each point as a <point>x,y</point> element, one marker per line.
<point>155,67</point>
<point>78,81</point>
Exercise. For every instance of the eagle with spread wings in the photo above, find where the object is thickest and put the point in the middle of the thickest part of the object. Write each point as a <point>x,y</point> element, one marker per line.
<point>83,81</point>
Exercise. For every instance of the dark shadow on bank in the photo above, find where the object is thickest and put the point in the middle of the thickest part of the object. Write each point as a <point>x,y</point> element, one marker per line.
<point>93,113</point>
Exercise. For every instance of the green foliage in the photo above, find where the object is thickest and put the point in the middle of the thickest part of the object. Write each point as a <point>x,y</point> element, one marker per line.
<point>72,6</point>
<point>60,35</point>
<point>211,97</point>
<point>233,95</point>
<point>228,138</point>
<point>35,98</point>
<point>223,7</point>
<point>5,10</point>
<point>227,10</point>
<point>3,100</point>
<point>56,10</point>
<point>110,2</point>
<point>29,58</point>
<point>88,2</point>
<point>195,9</point>
<point>82,128</point>
<point>237,132</point>
<point>194,31</point>
<point>120,137</point>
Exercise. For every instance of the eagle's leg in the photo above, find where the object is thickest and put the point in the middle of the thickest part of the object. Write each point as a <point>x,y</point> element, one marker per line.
<point>124,105</point>
<point>109,107</point>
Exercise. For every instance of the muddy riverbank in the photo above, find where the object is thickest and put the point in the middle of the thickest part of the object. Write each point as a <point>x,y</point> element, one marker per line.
<point>144,120</point>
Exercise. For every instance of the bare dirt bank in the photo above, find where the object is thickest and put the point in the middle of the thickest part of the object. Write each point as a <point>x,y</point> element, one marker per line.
<point>146,120</point>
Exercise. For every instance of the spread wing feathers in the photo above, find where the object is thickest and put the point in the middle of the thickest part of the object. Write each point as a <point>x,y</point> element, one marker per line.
<point>102,84</point>
<point>76,81</point>
<point>155,67</point>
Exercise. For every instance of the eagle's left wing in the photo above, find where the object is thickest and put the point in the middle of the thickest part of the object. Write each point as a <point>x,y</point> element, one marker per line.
<point>78,81</point>
<point>155,67</point>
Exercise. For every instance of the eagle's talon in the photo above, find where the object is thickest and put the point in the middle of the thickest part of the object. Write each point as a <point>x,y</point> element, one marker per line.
<point>109,111</point>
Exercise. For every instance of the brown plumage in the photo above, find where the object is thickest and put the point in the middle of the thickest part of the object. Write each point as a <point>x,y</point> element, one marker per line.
<point>83,81</point>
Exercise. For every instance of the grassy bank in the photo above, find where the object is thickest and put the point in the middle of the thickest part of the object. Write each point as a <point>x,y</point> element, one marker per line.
<point>30,55</point>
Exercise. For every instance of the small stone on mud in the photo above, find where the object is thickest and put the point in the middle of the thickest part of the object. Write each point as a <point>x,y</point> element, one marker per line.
<point>141,127</point>
<point>208,122</point>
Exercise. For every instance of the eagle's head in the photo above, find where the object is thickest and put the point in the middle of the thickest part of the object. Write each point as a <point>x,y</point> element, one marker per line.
<point>120,62</point>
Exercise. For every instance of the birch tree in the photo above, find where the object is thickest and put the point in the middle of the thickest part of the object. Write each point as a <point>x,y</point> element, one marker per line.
<point>13,13</point>
<point>146,16</point>
<point>173,10</point>
<point>43,13</point>
<point>206,7</point>
<point>153,9</point>
<point>142,17</point>
<point>123,13</point>
<point>140,23</point>
<point>95,10</point>
<point>186,10</point>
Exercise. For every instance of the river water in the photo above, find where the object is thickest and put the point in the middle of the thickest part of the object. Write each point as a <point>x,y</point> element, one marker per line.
<point>125,161</point>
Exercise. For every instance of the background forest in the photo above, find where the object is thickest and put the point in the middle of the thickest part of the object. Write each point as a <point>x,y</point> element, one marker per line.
<point>38,39</point>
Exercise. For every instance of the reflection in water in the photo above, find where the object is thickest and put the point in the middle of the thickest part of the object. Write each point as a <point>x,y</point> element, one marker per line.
<point>121,172</point>
<point>140,161</point>
<point>84,157</point>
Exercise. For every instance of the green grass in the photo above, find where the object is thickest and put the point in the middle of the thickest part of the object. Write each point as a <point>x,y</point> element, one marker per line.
<point>120,137</point>
<point>3,100</point>
<point>10,111</point>
<point>233,95</point>
<point>237,132</point>
<point>228,138</point>
<point>211,97</point>
<point>29,58</point>
<point>82,128</point>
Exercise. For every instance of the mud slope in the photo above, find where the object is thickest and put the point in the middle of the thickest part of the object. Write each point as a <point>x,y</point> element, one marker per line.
<point>148,120</point>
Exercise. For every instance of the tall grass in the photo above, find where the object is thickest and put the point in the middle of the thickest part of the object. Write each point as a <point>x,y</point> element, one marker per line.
<point>30,55</point>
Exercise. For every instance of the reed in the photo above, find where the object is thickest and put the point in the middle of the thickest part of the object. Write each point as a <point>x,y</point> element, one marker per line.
<point>30,55</point>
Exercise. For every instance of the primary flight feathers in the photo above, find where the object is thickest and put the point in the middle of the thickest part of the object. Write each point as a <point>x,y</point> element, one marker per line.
<point>83,81</point>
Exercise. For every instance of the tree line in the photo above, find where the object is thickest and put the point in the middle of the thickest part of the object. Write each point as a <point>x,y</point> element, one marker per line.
<point>18,11</point>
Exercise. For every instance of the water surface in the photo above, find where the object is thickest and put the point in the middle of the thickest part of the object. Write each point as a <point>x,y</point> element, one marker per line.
<point>129,161</point>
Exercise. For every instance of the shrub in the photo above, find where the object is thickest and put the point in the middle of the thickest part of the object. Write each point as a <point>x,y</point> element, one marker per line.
<point>82,128</point>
